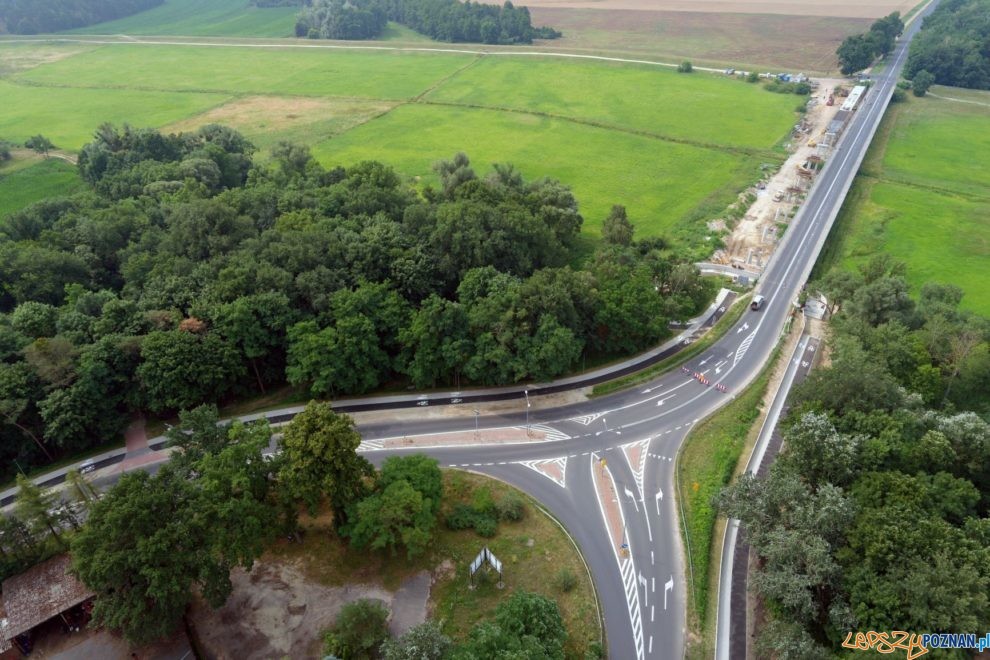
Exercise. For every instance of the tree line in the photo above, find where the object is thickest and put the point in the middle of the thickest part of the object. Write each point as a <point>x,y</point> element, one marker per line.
<point>443,20</point>
<point>876,515</point>
<point>858,51</point>
<point>42,16</point>
<point>149,542</point>
<point>951,48</point>
<point>187,273</point>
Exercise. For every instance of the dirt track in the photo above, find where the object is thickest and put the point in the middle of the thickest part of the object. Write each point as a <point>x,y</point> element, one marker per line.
<point>864,9</point>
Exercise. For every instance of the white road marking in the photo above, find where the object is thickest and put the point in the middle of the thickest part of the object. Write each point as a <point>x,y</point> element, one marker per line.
<point>639,469</point>
<point>668,587</point>
<point>538,465</point>
<point>630,495</point>
<point>550,432</point>
<point>658,497</point>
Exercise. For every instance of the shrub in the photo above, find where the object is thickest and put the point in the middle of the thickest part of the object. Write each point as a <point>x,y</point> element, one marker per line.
<point>685,67</point>
<point>359,630</point>
<point>486,526</point>
<point>462,516</point>
<point>565,580</point>
<point>753,77</point>
<point>511,507</point>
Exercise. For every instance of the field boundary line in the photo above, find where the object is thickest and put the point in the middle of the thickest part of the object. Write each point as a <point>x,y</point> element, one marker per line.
<point>456,51</point>
<point>743,151</point>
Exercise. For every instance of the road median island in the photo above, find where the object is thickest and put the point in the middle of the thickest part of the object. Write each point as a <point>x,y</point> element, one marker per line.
<point>710,457</point>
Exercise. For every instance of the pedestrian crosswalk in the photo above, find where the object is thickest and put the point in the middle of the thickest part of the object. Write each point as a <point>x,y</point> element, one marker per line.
<point>550,433</point>
<point>371,445</point>
<point>628,572</point>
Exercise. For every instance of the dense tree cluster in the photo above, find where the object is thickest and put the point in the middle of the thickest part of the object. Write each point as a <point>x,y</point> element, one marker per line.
<point>443,20</point>
<point>952,45</point>
<point>42,16</point>
<point>218,504</point>
<point>876,516</point>
<point>859,50</point>
<point>341,19</point>
<point>188,274</point>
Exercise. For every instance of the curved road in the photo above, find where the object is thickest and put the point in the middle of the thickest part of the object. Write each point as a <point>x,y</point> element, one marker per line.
<point>640,581</point>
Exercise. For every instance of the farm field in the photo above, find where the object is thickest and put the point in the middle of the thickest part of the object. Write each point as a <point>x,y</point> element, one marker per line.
<point>245,70</point>
<point>661,183</point>
<point>675,149</point>
<point>925,197</point>
<point>198,18</point>
<point>743,41</point>
<point>705,109</point>
<point>26,181</point>
<point>68,116</point>
<point>865,9</point>
<point>267,120</point>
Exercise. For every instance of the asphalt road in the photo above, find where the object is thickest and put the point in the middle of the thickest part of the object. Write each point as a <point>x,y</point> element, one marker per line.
<point>642,594</point>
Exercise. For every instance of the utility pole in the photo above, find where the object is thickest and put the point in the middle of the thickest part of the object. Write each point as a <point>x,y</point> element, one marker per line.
<point>526,392</point>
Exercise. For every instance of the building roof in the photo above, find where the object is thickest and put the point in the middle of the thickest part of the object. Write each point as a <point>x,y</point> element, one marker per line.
<point>40,593</point>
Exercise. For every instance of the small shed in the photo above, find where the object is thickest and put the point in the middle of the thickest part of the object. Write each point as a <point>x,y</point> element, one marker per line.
<point>39,594</point>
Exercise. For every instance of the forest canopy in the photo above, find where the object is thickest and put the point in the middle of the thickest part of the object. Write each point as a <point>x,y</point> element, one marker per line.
<point>443,20</point>
<point>954,45</point>
<point>188,273</point>
<point>42,16</point>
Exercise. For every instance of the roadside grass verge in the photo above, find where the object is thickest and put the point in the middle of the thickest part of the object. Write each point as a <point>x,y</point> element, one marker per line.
<point>21,186</point>
<point>729,319</point>
<point>327,559</point>
<point>705,464</point>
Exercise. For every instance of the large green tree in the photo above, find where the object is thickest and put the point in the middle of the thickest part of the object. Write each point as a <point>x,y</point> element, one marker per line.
<point>321,460</point>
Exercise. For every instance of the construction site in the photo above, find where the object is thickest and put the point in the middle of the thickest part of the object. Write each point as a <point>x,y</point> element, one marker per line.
<point>754,225</point>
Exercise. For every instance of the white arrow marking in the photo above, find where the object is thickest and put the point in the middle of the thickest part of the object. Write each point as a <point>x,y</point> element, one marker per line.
<point>646,597</point>
<point>630,495</point>
<point>706,359</point>
<point>659,498</point>
<point>647,391</point>
<point>669,586</point>
<point>745,326</point>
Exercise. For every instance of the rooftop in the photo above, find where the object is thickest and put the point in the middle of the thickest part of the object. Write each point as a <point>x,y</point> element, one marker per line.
<point>40,593</point>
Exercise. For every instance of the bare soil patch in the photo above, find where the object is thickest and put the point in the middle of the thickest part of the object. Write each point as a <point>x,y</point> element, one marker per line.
<point>864,9</point>
<point>756,235</point>
<point>791,43</point>
<point>273,612</point>
<point>267,119</point>
<point>15,57</point>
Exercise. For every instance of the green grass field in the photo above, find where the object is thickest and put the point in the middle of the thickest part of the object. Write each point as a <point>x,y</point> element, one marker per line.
<point>675,149</point>
<point>661,183</point>
<point>925,196</point>
<point>68,116</point>
<point>22,186</point>
<point>697,107</point>
<point>245,70</point>
<point>226,18</point>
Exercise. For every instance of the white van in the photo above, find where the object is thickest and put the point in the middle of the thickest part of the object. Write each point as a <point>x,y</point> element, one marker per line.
<point>757,303</point>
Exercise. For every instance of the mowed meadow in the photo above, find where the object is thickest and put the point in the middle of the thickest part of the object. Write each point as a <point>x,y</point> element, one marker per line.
<point>676,149</point>
<point>923,195</point>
